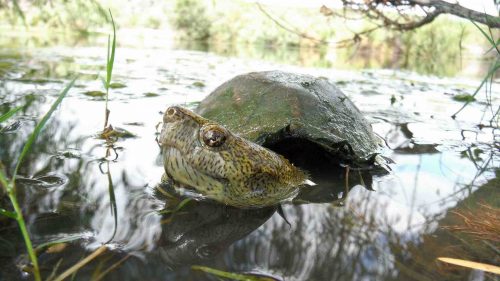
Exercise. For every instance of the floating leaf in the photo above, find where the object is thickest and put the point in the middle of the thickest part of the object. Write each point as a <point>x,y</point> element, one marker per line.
<point>116,85</point>
<point>393,99</point>
<point>151,94</point>
<point>471,264</point>
<point>199,84</point>
<point>95,94</point>
<point>464,98</point>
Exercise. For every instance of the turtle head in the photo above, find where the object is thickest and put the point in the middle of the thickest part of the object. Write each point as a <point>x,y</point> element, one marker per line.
<point>184,129</point>
<point>203,155</point>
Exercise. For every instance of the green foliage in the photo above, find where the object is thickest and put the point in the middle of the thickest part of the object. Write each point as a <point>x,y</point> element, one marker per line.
<point>192,18</point>
<point>77,15</point>
<point>488,79</point>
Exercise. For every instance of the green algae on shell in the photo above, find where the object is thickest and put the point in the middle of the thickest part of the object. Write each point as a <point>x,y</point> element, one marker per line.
<point>273,106</point>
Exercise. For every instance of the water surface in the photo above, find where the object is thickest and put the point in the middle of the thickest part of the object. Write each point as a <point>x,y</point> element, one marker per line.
<point>392,233</point>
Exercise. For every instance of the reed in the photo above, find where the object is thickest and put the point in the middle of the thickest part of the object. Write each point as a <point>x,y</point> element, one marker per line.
<point>9,184</point>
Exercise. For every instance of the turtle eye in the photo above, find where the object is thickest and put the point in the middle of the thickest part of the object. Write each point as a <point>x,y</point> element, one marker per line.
<point>214,137</point>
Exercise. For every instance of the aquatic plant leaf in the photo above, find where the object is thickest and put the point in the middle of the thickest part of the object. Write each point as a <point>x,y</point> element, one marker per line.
<point>10,113</point>
<point>177,208</point>
<point>116,85</point>
<point>471,264</point>
<point>40,125</point>
<point>94,93</point>
<point>464,98</point>
<point>111,54</point>
<point>232,275</point>
<point>199,84</point>
<point>9,214</point>
<point>150,94</point>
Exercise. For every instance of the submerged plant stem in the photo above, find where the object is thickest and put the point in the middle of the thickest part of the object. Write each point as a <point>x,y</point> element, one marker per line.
<point>25,234</point>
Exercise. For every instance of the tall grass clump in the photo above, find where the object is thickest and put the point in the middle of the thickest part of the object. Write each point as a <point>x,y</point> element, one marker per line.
<point>9,184</point>
<point>190,16</point>
<point>487,81</point>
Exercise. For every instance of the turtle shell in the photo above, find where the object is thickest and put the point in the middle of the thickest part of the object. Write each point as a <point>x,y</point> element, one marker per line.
<point>273,107</point>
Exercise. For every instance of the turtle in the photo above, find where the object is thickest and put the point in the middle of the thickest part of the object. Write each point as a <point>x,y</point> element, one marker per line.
<point>246,143</point>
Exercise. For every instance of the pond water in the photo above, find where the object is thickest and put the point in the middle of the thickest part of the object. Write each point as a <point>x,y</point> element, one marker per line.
<point>73,186</point>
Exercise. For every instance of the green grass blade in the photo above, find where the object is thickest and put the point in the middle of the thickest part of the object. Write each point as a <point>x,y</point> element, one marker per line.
<point>59,241</point>
<point>485,34</point>
<point>40,126</point>
<point>10,113</point>
<point>24,231</point>
<point>111,58</point>
<point>107,82</point>
<point>489,37</point>
<point>177,208</point>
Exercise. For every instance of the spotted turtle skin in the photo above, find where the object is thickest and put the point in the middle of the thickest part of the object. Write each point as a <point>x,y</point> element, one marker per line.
<point>204,156</point>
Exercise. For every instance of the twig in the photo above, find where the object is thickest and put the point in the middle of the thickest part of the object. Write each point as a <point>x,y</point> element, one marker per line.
<point>81,263</point>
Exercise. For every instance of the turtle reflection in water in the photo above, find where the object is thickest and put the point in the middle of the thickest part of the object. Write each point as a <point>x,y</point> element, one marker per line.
<point>299,116</point>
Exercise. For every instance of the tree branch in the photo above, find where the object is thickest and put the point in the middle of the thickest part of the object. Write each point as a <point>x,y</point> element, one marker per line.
<point>460,11</point>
